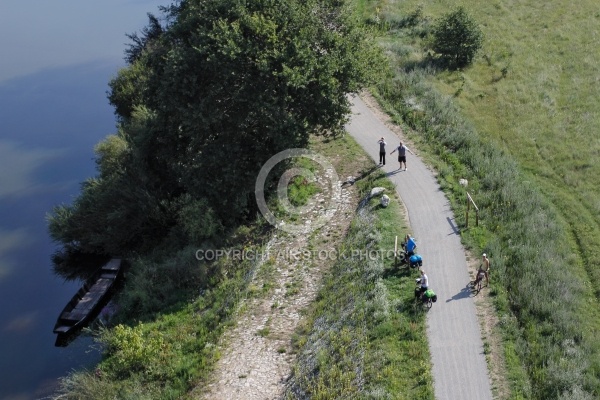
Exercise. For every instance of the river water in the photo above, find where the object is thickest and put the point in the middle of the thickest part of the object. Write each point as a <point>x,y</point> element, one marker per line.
<point>51,115</point>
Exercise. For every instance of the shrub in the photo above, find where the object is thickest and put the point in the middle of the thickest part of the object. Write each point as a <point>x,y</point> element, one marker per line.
<point>130,350</point>
<point>197,219</point>
<point>457,38</point>
<point>157,285</point>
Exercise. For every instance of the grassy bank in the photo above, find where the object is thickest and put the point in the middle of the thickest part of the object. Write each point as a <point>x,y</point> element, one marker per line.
<point>165,334</point>
<point>502,125</point>
<point>364,337</point>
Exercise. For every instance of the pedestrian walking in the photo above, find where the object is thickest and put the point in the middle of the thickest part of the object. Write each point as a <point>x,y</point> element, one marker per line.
<point>402,149</point>
<point>382,144</point>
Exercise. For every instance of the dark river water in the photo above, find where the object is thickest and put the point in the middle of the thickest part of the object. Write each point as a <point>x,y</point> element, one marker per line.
<point>56,59</point>
<point>49,123</point>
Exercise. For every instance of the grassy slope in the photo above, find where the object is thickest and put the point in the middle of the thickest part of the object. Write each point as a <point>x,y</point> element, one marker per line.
<point>546,111</point>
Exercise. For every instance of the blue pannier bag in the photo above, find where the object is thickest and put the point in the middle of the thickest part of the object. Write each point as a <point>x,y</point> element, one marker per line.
<point>415,260</point>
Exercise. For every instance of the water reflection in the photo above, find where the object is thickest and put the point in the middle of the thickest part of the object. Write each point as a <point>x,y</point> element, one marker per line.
<point>18,165</point>
<point>10,241</point>
<point>49,123</point>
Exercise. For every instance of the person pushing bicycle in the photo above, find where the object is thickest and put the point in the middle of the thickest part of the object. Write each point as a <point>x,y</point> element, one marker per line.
<point>481,273</point>
<point>486,267</point>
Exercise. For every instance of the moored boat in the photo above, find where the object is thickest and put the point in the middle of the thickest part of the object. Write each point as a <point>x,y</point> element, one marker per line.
<point>89,299</point>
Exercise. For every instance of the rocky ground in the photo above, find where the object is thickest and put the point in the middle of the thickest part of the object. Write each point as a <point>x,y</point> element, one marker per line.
<point>257,355</point>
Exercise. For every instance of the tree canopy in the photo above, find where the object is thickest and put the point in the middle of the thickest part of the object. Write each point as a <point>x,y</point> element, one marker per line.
<point>211,93</point>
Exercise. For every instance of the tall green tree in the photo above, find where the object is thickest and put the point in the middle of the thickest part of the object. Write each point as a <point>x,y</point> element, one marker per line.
<point>457,38</point>
<point>223,87</point>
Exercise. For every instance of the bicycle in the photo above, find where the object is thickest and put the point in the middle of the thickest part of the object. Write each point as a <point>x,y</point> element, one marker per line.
<point>477,284</point>
<point>426,298</point>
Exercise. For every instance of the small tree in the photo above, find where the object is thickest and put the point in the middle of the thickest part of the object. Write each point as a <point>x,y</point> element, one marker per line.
<point>457,38</point>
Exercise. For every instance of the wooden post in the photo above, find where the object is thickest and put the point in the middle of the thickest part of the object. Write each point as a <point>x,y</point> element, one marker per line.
<point>470,201</point>
<point>467,216</point>
<point>396,252</point>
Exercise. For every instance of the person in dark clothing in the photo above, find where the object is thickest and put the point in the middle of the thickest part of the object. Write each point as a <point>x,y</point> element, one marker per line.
<point>382,144</point>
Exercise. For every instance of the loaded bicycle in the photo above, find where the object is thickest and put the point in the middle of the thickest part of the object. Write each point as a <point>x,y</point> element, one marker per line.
<point>425,297</point>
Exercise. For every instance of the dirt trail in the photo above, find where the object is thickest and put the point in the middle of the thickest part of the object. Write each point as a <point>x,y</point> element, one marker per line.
<point>257,355</point>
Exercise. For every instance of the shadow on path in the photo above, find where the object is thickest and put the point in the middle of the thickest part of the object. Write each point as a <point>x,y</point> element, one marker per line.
<point>394,172</point>
<point>455,230</point>
<point>464,293</point>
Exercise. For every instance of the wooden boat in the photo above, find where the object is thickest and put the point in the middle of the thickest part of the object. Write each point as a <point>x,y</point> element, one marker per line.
<point>87,302</point>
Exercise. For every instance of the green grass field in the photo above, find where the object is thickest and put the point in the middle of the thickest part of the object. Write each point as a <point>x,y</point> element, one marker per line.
<point>522,124</point>
<point>545,110</point>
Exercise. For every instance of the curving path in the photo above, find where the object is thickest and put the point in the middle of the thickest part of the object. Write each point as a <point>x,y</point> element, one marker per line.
<point>459,366</point>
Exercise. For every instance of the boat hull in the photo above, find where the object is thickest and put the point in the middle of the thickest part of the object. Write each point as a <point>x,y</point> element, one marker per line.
<point>86,304</point>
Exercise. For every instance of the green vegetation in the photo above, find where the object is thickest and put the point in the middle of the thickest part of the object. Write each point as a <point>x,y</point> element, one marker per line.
<point>207,99</point>
<point>364,338</point>
<point>240,81</point>
<point>163,357</point>
<point>457,38</point>
<point>303,187</point>
<point>174,347</point>
<point>524,147</point>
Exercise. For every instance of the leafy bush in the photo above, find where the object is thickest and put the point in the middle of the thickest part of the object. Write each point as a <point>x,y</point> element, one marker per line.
<point>457,38</point>
<point>198,220</point>
<point>154,286</point>
<point>130,350</point>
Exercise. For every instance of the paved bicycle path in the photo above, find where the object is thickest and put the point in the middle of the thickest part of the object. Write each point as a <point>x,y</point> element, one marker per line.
<point>459,366</point>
